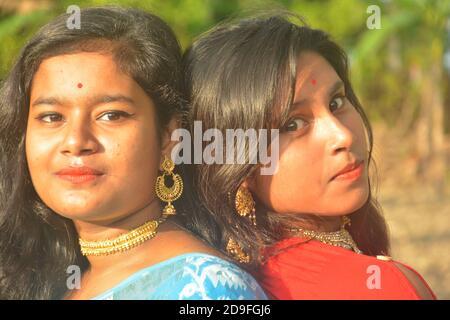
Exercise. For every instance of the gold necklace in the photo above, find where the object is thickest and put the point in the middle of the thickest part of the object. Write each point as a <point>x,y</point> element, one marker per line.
<point>123,242</point>
<point>341,238</point>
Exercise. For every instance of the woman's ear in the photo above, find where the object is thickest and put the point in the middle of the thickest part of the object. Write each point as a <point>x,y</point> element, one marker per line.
<point>249,183</point>
<point>166,143</point>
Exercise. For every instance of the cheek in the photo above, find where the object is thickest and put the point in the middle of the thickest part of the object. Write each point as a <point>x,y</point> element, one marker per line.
<point>135,157</point>
<point>38,153</point>
<point>294,184</point>
<point>356,125</point>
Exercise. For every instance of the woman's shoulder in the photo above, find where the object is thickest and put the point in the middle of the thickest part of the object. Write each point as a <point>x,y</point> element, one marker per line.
<point>417,281</point>
<point>336,272</point>
<point>195,276</point>
<point>394,275</point>
<point>212,277</point>
<point>397,275</point>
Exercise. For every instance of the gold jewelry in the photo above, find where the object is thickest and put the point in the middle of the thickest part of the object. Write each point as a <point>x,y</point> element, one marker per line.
<point>341,238</point>
<point>245,207</point>
<point>123,242</point>
<point>168,194</point>
<point>235,250</point>
<point>345,221</point>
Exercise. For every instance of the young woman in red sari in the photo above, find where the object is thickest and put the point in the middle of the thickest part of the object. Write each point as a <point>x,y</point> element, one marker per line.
<point>313,229</point>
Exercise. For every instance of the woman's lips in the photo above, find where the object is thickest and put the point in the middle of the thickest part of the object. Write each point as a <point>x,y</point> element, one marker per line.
<point>79,174</point>
<point>79,178</point>
<point>351,175</point>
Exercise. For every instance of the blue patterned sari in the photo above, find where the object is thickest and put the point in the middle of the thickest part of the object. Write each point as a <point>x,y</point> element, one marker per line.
<point>192,276</point>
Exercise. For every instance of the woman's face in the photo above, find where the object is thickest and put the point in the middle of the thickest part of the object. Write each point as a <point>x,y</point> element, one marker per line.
<point>323,135</point>
<point>86,113</point>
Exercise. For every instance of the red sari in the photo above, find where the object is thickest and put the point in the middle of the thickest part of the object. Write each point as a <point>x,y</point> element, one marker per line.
<point>309,269</point>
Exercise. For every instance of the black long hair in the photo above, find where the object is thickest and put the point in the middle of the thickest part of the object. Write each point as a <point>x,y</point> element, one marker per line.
<point>242,75</point>
<point>36,244</point>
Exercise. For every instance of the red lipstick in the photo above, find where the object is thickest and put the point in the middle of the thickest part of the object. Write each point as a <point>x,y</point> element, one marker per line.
<point>350,172</point>
<point>79,174</point>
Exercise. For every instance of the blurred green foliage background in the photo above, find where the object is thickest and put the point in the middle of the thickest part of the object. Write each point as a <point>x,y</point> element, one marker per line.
<point>411,41</point>
<point>400,73</point>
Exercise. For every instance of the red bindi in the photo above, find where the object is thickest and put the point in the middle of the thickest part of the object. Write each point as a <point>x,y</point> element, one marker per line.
<point>80,85</point>
<point>313,81</point>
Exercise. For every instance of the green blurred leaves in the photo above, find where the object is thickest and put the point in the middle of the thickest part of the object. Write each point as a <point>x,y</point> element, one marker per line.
<point>383,60</point>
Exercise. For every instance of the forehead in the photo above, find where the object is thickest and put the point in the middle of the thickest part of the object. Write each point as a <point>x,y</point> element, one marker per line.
<point>78,63</point>
<point>314,74</point>
<point>78,74</point>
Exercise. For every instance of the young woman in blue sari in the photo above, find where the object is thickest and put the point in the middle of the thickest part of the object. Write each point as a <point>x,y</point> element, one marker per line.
<point>86,118</point>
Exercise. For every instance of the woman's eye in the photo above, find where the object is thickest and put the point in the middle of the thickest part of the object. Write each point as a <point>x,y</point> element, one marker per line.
<point>295,124</point>
<point>114,115</point>
<point>50,117</point>
<point>337,103</point>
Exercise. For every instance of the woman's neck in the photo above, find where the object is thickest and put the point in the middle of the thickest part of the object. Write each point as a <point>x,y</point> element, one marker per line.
<point>96,231</point>
<point>320,223</point>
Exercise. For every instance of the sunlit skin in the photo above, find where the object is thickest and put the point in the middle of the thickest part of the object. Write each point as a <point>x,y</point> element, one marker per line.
<point>108,136</point>
<point>325,133</point>
<point>100,117</point>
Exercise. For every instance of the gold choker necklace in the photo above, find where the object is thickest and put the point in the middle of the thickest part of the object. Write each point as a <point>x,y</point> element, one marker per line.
<point>341,238</point>
<point>123,242</point>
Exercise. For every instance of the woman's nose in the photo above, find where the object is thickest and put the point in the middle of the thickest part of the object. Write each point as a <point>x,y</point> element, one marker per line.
<point>339,135</point>
<point>79,139</point>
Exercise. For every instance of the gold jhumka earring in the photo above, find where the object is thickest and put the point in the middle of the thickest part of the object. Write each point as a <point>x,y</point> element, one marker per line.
<point>172,193</point>
<point>245,207</point>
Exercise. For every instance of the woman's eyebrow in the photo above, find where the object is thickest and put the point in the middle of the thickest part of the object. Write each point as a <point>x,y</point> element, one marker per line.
<point>46,100</point>
<point>112,98</point>
<point>53,101</point>
<point>335,87</point>
<point>339,84</point>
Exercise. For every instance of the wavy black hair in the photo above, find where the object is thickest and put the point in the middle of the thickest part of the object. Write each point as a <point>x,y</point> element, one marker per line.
<point>241,74</point>
<point>36,244</point>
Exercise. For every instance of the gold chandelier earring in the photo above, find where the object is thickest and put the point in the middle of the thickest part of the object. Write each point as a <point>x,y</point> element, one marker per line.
<point>172,193</point>
<point>245,207</point>
<point>245,204</point>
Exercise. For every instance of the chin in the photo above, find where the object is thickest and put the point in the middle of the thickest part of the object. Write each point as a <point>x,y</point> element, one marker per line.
<point>75,213</point>
<point>75,209</point>
<point>355,202</point>
<point>346,204</point>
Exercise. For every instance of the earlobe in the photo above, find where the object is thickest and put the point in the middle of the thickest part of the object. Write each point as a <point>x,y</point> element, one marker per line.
<point>249,183</point>
<point>246,183</point>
